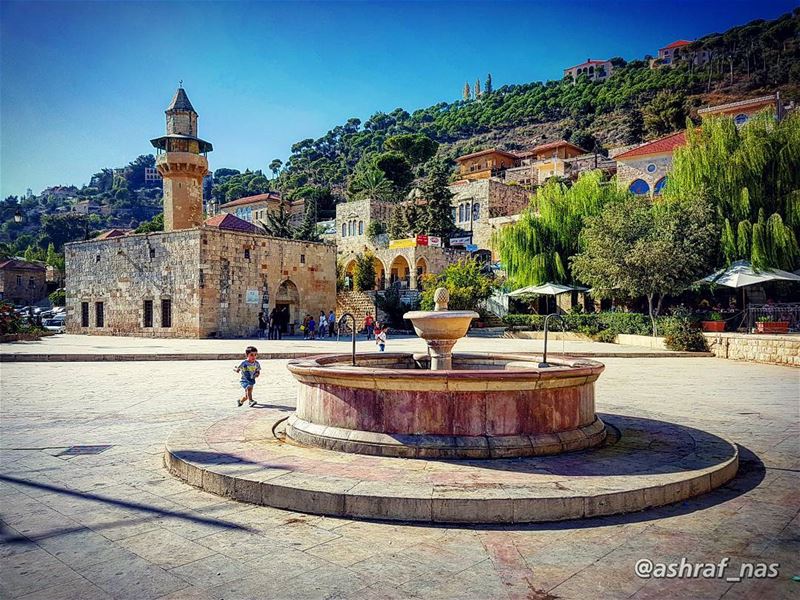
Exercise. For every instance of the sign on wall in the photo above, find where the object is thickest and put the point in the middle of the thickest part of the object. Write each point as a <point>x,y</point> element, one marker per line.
<point>422,240</point>
<point>434,240</point>
<point>403,243</point>
<point>460,241</point>
<point>252,297</point>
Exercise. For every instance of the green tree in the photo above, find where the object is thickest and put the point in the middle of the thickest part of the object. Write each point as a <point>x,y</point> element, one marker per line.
<point>53,258</point>
<point>467,91</point>
<point>369,182</point>
<point>437,214</point>
<point>275,166</point>
<point>154,225</point>
<point>34,253</point>
<point>396,169</point>
<point>469,287</point>
<point>640,248</point>
<point>536,249</point>
<point>665,113</point>
<point>751,175</point>
<point>308,228</point>
<point>60,229</point>
<point>399,226</point>
<point>278,223</point>
<point>364,272</point>
<point>417,148</point>
<point>487,87</point>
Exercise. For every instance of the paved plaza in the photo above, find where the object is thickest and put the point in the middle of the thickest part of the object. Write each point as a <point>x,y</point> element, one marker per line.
<point>89,512</point>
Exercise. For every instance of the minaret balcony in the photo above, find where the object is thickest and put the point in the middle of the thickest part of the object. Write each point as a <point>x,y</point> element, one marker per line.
<point>181,163</point>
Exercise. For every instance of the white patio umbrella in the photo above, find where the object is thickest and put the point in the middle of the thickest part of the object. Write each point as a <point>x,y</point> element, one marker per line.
<point>547,289</point>
<point>741,274</point>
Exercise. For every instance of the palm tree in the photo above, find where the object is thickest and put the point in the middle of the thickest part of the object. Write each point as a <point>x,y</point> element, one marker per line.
<point>373,184</point>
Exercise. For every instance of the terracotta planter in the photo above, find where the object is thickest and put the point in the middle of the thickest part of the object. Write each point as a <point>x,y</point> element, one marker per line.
<point>715,326</point>
<point>772,326</point>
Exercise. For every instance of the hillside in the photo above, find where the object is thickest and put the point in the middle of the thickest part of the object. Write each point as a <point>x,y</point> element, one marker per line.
<point>636,103</point>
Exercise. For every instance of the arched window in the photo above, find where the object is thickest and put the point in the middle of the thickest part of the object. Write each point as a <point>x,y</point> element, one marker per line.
<point>639,187</point>
<point>476,211</point>
<point>361,228</point>
<point>344,229</point>
<point>659,186</point>
<point>591,70</point>
<point>460,213</point>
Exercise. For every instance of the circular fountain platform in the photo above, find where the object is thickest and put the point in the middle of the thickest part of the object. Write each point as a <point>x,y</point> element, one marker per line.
<point>483,406</point>
<point>643,463</point>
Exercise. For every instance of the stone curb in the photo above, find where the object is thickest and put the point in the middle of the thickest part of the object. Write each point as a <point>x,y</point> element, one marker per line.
<point>24,357</point>
<point>279,488</point>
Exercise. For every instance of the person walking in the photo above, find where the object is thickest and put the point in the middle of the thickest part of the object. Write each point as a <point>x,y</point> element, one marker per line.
<point>322,323</point>
<point>381,337</point>
<point>262,325</point>
<point>273,324</point>
<point>369,326</point>
<point>312,327</point>
<point>331,323</point>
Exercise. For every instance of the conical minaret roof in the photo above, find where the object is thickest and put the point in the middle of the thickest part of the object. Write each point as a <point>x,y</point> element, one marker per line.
<point>180,101</point>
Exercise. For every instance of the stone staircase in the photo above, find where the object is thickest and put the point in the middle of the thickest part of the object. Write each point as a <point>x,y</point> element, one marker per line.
<point>358,304</point>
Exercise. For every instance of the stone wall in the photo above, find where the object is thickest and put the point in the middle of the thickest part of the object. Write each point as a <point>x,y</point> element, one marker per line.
<point>773,349</point>
<point>630,170</point>
<point>217,281</point>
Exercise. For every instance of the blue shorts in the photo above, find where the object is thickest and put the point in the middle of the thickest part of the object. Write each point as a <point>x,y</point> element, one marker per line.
<point>246,383</point>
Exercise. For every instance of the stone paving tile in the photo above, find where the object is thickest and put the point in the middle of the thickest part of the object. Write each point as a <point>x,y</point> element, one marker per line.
<point>133,578</point>
<point>165,549</point>
<point>32,571</point>
<point>277,553</point>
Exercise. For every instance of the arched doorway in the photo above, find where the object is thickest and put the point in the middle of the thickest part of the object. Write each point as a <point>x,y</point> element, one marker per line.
<point>287,301</point>
<point>400,272</point>
<point>422,270</point>
<point>380,273</point>
<point>349,275</point>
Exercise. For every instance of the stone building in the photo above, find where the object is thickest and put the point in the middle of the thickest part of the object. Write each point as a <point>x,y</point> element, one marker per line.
<point>680,51</point>
<point>556,159</point>
<point>476,203</point>
<point>485,164</point>
<point>194,279</point>
<point>742,110</point>
<point>353,220</point>
<point>22,281</point>
<point>643,169</point>
<point>199,282</point>
<point>595,70</point>
<point>253,208</point>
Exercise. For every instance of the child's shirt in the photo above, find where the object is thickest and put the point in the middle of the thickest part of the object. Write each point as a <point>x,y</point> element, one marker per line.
<point>249,370</point>
<point>380,338</point>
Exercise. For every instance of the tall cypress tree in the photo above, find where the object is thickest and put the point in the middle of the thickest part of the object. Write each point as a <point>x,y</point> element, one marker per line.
<point>437,215</point>
<point>477,88</point>
<point>467,91</point>
<point>487,88</point>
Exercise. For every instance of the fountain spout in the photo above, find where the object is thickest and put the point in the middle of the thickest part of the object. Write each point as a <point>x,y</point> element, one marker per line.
<point>441,328</point>
<point>544,364</point>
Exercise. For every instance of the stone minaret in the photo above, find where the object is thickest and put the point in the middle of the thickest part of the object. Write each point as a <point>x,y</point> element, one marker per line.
<point>182,163</point>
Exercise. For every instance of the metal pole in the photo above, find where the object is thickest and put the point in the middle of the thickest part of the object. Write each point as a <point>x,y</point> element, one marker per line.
<point>342,319</point>
<point>544,364</point>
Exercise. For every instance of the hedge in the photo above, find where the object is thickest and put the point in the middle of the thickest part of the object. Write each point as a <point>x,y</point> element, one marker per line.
<point>592,324</point>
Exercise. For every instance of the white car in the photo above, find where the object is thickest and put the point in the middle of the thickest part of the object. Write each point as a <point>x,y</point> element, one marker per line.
<point>55,324</point>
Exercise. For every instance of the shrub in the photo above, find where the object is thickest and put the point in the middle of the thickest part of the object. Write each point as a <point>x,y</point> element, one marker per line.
<point>606,335</point>
<point>465,281</point>
<point>58,298</point>
<point>364,272</point>
<point>687,340</point>
<point>592,324</point>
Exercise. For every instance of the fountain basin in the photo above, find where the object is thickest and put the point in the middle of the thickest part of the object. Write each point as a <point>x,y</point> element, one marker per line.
<point>485,406</point>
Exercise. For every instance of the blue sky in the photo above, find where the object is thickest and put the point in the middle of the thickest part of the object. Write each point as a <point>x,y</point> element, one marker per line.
<point>83,85</point>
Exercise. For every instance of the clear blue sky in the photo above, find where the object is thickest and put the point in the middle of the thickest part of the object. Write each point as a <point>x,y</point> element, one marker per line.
<point>84,85</point>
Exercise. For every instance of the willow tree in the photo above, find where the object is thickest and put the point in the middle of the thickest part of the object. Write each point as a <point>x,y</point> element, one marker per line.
<point>536,249</point>
<point>751,175</point>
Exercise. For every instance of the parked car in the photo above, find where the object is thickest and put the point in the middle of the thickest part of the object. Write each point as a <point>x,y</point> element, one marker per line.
<point>56,324</point>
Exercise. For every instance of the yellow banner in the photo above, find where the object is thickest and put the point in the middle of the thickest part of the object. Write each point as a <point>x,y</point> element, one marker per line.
<point>403,243</point>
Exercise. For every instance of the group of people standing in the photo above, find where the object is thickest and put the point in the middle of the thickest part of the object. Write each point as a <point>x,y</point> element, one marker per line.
<point>321,327</point>
<point>274,325</point>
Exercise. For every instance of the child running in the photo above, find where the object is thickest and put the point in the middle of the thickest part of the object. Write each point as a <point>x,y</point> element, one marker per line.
<point>250,369</point>
<point>380,336</point>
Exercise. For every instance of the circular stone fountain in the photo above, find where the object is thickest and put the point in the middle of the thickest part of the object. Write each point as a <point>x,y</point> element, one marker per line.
<point>509,429</point>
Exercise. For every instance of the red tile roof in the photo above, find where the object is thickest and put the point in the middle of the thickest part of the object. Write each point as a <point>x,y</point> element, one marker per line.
<point>229,222</point>
<point>589,61</point>
<point>665,145</point>
<point>21,265</point>
<point>677,44</point>
<point>489,151</point>
<point>112,233</point>
<point>269,196</point>
<point>553,145</point>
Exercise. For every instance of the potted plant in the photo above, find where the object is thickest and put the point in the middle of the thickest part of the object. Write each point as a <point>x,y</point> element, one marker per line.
<point>766,324</point>
<point>714,322</point>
